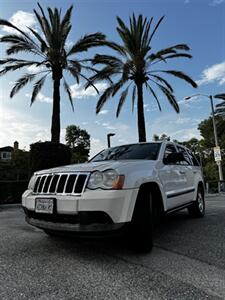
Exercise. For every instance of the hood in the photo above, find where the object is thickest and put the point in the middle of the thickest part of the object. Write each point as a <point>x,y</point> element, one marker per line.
<point>119,165</point>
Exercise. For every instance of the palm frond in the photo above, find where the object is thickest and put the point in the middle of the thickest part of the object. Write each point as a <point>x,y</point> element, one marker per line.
<point>133,97</point>
<point>154,95</point>
<point>170,97</point>
<point>44,46</point>
<point>68,90</point>
<point>121,101</point>
<point>74,73</point>
<point>116,47</point>
<point>86,42</point>
<point>37,87</point>
<point>183,76</point>
<point>21,83</point>
<point>104,97</point>
<point>156,27</point>
<point>162,80</point>
<point>16,67</point>
<point>20,42</point>
<point>108,60</point>
<point>89,82</point>
<point>117,86</point>
<point>220,96</point>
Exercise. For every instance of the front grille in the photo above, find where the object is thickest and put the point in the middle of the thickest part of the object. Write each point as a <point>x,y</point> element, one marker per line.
<point>63,183</point>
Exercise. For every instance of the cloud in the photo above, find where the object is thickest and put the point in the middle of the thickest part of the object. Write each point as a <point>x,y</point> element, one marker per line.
<point>34,69</point>
<point>103,112</point>
<point>78,92</point>
<point>22,20</point>
<point>215,73</point>
<point>97,145</point>
<point>20,127</point>
<point>41,97</point>
<point>186,1</point>
<point>189,103</point>
<point>217,2</point>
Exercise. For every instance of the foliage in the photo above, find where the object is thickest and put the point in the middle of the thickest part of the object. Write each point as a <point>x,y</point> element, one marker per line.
<point>135,65</point>
<point>79,141</point>
<point>52,57</point>
<point>11,191</point>
<point>48,155</point>
<point>163,137</point>
<point>17,168</point>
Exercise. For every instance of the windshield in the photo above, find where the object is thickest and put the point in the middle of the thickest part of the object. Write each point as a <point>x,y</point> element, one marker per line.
<point>135,151</point>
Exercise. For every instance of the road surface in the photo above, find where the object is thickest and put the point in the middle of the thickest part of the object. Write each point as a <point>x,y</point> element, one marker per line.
<point>187,261</point>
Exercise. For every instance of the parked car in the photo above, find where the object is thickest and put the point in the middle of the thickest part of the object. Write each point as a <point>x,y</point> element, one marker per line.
<point>128,186</point>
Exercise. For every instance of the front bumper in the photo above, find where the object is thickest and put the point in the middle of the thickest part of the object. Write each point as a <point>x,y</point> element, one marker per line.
<point>93,211</point>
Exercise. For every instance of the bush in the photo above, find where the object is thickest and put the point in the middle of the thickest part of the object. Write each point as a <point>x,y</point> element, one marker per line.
<point>11,191</point>
<point>48,155</point>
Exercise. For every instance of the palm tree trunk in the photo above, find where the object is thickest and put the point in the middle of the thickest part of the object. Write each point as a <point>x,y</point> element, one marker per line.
<point>55,130</point>
<point>140,114</point>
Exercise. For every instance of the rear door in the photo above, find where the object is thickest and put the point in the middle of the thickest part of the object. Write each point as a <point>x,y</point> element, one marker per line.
<point>173,179</point>
<point>187,170</point>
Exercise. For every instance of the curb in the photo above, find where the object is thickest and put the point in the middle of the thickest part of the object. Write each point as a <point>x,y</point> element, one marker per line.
<point>10,206</point>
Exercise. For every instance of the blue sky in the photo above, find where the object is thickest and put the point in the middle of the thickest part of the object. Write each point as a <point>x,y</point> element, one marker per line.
<point>199,23</point>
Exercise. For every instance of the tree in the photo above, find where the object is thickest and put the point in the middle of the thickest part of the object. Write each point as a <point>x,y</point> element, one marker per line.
<point>49,46</point>
<point>135,64</point>
<point>163,137</point>
<point>79,141</point>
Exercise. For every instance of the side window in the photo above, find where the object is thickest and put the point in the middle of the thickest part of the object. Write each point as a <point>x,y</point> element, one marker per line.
<point>187,161</point>
<point>169,150</point>
<point>194,159</point>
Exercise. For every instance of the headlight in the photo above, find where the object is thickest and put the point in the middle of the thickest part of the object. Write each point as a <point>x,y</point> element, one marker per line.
<point>32,182</point>
<point>108,179</point>
<point>95,180</point>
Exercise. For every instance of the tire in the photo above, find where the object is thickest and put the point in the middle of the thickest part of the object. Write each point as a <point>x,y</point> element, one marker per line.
<point>197,209</point>
<point>141,229</point>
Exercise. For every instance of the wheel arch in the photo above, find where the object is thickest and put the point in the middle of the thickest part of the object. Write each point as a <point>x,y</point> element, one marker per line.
<point>157,198</point>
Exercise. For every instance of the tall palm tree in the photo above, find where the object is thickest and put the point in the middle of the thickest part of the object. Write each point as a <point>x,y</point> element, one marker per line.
<point>135,64</point>
<point>49,46</point>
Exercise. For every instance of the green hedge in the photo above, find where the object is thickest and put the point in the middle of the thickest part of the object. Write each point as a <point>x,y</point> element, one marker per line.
<point>11,191</point>
<point>48,155</point>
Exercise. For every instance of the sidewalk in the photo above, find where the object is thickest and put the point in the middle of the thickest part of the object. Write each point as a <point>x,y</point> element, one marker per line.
<point>215,197</point>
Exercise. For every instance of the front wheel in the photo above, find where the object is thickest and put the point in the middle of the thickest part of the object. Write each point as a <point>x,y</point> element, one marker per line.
<point>141,229</point>
<point>197,209</point>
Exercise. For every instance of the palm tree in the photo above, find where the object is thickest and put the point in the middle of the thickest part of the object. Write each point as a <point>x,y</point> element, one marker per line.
<point>135,64</point>
<point>53,57</point>
<point>220,108</point>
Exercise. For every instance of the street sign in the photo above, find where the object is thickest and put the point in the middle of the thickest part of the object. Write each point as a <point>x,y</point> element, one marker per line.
<point>217,153</point>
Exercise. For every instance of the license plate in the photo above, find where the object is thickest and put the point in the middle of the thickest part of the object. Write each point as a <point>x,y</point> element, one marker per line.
<point>44,205</point>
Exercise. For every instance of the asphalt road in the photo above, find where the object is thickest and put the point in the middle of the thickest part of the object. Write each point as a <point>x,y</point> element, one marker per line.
<point>187,262</point>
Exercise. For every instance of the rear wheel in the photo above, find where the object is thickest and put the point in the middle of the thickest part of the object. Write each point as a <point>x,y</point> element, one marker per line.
<point>141,229</point>
<point>197,209</point>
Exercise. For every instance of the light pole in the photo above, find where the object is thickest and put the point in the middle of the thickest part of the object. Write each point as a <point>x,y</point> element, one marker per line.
<point>210,97</point>
<point>108,138</point>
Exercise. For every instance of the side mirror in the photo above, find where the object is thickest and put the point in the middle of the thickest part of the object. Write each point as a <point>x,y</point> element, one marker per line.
<point>173,158</point>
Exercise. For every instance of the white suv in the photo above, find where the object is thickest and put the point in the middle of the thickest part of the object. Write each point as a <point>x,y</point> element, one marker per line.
<point>127,186</point>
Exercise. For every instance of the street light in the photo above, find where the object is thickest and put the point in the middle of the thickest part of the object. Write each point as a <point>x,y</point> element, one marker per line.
<point>210,97</point>
<point>108,138</point>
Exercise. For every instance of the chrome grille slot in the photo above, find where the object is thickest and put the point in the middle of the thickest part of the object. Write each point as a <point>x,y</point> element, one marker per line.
<point>54,184</point>
<point>70,183</point>
<point>36,184</point>
<point>61,183</point>
<point>40,186</point>
<point>60,187</point>
<point>47,182</point>
<point>80,184</point>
